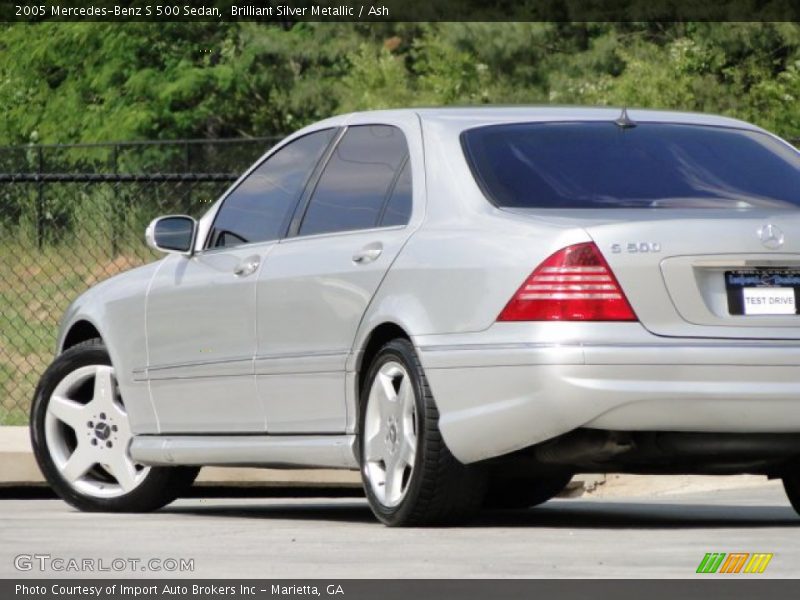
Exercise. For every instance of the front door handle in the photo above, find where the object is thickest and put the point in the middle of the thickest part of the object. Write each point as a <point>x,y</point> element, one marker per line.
<point>247,267</point>
<point>368,253</point>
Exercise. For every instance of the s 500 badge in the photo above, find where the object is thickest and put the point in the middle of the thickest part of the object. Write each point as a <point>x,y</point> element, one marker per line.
<point>636,247</point>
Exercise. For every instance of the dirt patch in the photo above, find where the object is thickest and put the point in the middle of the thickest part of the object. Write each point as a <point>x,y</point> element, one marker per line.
<point>107,269</point>
<point>617,485</point>
<point>24,364</point>
<point>37,310</point>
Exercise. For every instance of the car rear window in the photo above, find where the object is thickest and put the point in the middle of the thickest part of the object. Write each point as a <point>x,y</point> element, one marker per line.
<point>657,165</point>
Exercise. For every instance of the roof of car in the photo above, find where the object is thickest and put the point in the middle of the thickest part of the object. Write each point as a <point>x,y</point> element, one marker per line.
<point>472,116</point>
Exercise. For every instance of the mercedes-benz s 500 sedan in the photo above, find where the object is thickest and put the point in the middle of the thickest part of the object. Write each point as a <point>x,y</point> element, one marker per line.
<point>467,305</point>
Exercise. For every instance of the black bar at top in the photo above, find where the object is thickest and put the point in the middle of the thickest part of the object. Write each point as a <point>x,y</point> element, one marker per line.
<point>288,12</point>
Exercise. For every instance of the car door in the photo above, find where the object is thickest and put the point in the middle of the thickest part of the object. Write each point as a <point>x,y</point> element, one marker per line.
<point>317,284</point>
<point>201,310</point>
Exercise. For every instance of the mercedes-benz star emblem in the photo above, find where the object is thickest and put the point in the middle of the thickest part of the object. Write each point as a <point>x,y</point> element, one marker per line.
<point>102,431</point>
<point>771,236</point>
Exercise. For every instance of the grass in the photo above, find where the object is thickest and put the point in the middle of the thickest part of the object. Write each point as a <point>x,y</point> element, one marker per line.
<point>36,286</point>
<point>15,416</point>
<point>77,223</point>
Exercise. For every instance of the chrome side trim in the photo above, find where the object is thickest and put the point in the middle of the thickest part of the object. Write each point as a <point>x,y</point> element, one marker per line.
<point>330,361</point>
<point>344,351</point>
<point>263,364</point>
<point>723,343</point>
<point>286,451</point>
<point>502,354</point>
<point>741,353</point>
<point>211,368</point>
<point>198,363</point>
<point>490,347</point>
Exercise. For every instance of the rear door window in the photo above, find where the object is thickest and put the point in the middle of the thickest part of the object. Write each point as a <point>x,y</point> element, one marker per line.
<point>358,181</point>
<point>655,165</point>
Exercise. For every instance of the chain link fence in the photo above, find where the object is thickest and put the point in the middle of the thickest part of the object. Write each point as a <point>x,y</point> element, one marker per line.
<point>72,215</point>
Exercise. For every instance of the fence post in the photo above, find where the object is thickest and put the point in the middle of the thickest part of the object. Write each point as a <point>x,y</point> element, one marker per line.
<point>115,217</point>
<point>189,170</point>
<point>40,198</point>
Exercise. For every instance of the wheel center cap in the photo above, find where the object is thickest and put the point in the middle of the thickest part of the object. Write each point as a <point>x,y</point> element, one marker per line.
<point>102,431</point>
<point>393,434</point>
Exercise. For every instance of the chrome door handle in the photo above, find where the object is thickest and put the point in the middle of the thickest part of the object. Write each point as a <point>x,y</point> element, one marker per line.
<point>246,267</point>
<point>368,253</point>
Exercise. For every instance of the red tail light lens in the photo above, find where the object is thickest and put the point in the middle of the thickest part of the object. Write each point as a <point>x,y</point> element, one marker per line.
<point>574,284</point>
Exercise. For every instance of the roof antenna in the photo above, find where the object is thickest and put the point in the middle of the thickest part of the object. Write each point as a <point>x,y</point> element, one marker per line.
<point>624,121</point>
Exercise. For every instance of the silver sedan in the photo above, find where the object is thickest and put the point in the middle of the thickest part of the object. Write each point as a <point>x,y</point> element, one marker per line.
<point>467,305</point>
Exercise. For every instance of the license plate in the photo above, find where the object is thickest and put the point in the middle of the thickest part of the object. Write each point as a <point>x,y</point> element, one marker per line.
<point>763,291</point>
<point>769,301</point>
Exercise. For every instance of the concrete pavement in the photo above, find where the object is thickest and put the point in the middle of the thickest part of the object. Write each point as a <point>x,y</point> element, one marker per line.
<point>18,468</point>
<point>649,536</point>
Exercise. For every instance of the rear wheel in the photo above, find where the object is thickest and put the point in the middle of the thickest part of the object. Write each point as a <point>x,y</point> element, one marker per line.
<point>81,437</point>
<point>519,492</point>
<point>791,483</point>
<point>409,475</point>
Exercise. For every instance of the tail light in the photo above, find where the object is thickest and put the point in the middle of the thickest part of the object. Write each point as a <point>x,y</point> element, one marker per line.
<point>574,284</point>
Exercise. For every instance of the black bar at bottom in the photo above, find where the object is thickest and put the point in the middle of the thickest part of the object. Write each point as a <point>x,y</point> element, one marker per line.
<point>701,587</point>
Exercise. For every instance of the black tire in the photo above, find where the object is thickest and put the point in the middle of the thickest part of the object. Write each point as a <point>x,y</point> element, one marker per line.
<point>440,489</point>
<point>159,487</point>
<point>791,483</point>
<point>519,492</point>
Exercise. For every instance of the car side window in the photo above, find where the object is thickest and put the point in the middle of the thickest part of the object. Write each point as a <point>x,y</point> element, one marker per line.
<point>352,190</point>
<point>259,209</point>
<point>398,207</point>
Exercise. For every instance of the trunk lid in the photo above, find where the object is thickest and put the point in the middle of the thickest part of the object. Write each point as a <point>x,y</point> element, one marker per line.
<point>676,267</point>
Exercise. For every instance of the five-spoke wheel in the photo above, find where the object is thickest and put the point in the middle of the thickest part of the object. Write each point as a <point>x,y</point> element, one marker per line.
<point>81,437</point>
<point>88,435</point>
<point>409,475</point>
<point>390,434</point>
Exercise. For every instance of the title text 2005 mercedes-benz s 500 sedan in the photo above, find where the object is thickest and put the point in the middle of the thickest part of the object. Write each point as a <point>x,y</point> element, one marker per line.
<point>468,305</point>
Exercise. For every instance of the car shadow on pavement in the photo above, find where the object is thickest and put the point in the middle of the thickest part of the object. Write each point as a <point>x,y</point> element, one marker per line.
<point>642,515</point>
<point>566,514</point>
<point>310,510</point>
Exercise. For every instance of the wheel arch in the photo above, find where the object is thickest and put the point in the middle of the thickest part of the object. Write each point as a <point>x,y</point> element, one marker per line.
<point>377,338</point>
<point>81,330</point>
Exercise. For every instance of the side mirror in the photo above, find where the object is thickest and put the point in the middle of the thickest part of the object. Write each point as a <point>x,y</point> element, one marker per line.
<point>174,234</point>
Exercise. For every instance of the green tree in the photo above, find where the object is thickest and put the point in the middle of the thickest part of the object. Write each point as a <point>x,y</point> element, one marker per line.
<point>68,82</point>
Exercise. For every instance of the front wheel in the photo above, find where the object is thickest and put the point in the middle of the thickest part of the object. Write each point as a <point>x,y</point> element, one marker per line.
<point>81,438</point>
<point>409,475</point>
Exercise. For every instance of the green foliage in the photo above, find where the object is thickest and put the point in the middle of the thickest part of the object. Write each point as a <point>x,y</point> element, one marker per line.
<point>85,82</point>
<point>69,82</point>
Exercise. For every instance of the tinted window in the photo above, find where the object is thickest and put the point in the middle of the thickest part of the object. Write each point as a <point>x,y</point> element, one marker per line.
<point>596,165</point>
<point>398,208</point>
<point>354,185</point>
<point>258,209</point>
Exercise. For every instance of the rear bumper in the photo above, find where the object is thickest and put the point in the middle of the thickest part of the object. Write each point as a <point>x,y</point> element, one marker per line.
<point>495,398</point>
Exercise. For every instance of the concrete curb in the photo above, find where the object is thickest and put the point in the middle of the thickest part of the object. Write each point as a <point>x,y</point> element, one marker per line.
<point>615,485</point>
<point>18,468</point>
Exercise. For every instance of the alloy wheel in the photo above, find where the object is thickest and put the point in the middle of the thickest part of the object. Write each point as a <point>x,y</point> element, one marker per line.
<point>88,434</point>
<point>390,434</point>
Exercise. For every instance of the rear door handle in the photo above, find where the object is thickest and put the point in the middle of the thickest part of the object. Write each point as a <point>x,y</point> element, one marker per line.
<point>368,253</point>
<point>247,267</point>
